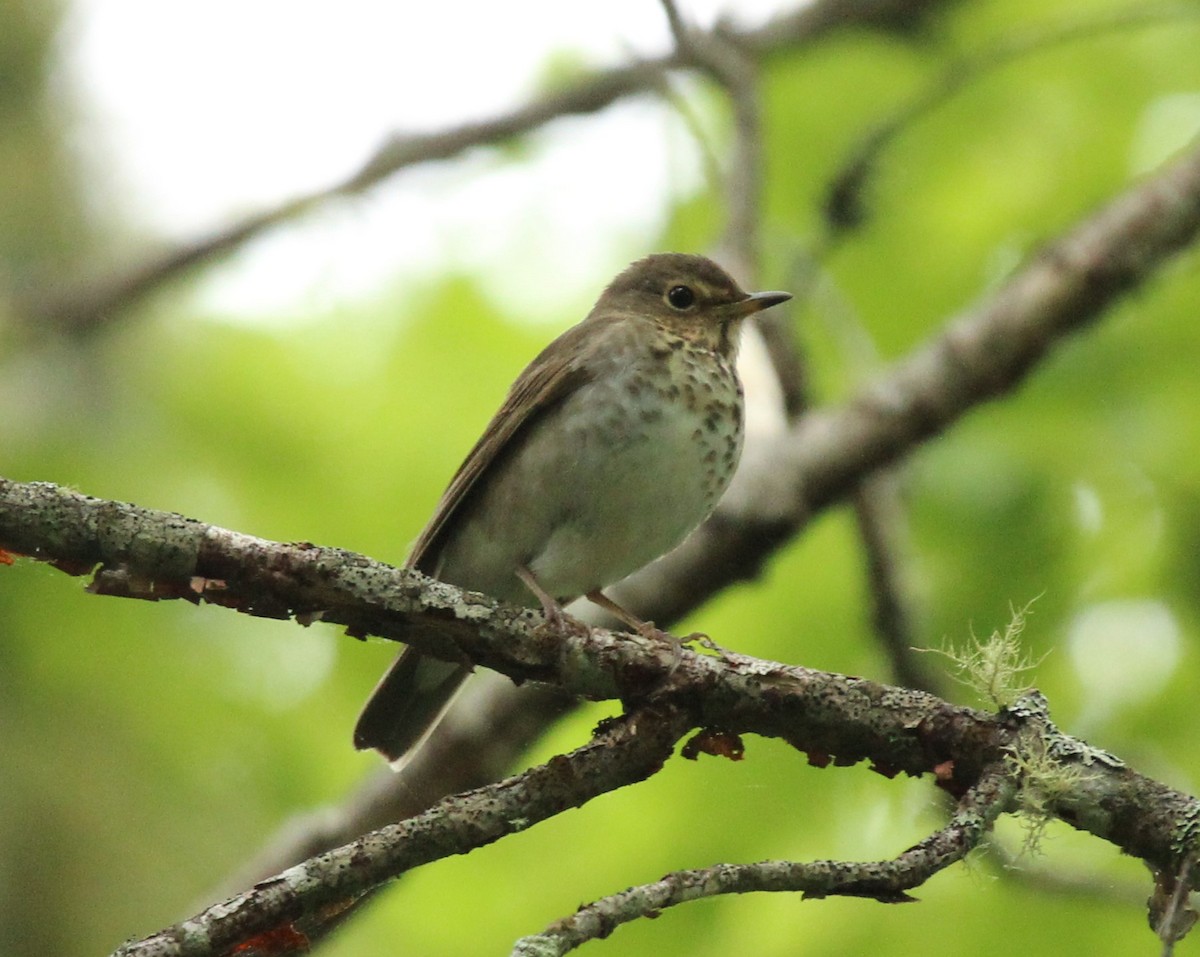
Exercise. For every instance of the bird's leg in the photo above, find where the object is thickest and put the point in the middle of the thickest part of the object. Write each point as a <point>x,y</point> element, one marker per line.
<point>556,617</point>
<point>647,629</point>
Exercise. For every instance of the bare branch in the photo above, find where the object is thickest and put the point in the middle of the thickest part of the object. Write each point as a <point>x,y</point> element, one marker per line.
<point>675,21</point>
<point>885,881</point>
<point>85,305</point>
<point>984,353</point>
<point>722,56</point>
<point>1171,913</point>
<point>301,902</point>
<point>832,718</point>
<point>1045,877</point>
<point>882,528</point>
<point>845,205</point>
<point>988,350</point>
<point>458,758</point>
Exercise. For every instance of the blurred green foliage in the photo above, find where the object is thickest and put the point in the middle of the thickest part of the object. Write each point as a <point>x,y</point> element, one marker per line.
<point>36,186</point>
<point>145,748</point>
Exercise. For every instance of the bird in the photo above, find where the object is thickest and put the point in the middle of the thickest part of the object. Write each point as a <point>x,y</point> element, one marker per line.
<point>610,448</point>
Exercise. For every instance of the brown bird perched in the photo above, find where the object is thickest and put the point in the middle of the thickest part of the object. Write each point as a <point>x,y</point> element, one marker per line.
<point>611,447</point>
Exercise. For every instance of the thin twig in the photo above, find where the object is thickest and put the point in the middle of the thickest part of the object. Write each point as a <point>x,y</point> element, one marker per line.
<point>845,205</point>
<point>721,55</point>
<point>886,881</point>
<point>87,304</point>
<point>882,528</point>
<point>1171,913</point>
<point>1061,879</point>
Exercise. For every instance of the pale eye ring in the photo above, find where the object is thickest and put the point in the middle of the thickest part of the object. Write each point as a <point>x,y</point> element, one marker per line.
<point>681,297</point>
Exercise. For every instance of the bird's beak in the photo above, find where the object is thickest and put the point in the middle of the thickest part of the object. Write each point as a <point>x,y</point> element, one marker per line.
<point>755,302</point>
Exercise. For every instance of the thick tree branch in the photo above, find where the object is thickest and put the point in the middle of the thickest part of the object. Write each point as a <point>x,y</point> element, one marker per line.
<point>987,350</point>
<point>831,717</point>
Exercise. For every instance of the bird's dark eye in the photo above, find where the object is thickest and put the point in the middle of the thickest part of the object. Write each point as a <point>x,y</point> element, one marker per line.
<point>680,297</point>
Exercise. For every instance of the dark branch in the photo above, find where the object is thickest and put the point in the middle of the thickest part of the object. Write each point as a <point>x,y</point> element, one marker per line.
<point>883,529</point>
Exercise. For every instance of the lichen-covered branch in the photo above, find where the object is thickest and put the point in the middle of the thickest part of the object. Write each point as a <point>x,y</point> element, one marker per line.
<point>282,914</point>
<point>989,349</point>
<point>830,717</point>
<point>985,352</point>
<point>886,881</point>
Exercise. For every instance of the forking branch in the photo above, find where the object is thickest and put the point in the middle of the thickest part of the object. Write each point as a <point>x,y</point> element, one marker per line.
<point>988,351</point>
<point>1063,289</point>
<point>82,306</point>
<point>831,718</point>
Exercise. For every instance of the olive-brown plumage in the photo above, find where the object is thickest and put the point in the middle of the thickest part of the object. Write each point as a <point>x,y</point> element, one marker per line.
<point>611,446</point>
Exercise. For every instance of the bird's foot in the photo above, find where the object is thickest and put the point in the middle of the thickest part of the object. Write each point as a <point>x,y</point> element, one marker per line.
<point>556,618</point>
<point>647,629</point>
<point>701,639</point>
<point>559,621</point>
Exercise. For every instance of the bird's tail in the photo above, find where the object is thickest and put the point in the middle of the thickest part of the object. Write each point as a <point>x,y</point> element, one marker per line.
<point>407,703</point>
